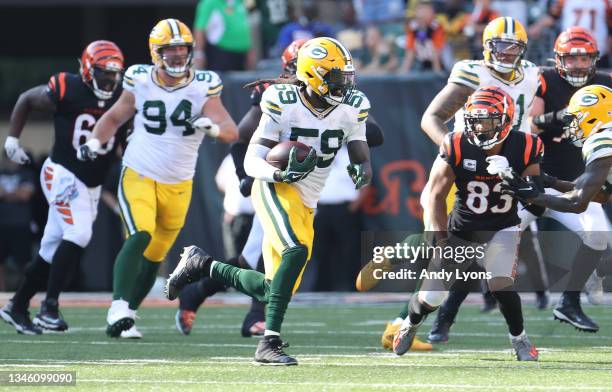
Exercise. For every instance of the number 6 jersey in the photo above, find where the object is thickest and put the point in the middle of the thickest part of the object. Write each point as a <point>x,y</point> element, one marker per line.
<point>288,116</point>
<point>164,147</point>
<point>479,203</point>
<point>77,110</point>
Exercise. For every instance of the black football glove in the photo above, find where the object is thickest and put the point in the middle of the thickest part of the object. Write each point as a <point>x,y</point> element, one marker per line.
<point>245,186</point>
<point>296,170</point>
<point>519,187</point>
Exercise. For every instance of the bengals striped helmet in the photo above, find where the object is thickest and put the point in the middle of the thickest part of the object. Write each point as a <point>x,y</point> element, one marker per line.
<point>289,57</point>
<point>488,116</point>
<point>102,67</point>
<point>576,54</point>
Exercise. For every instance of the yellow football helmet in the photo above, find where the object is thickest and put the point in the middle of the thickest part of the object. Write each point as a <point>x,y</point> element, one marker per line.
<point>166,33</point>
<point>326,66</point>
<point>589,111</point>
<point>504,41</point>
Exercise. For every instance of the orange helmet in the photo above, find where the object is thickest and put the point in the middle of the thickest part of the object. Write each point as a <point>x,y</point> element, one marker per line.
<point>576,42</point>
<point>101,67</point>
<point>488,116</point>
<point>289,57</point>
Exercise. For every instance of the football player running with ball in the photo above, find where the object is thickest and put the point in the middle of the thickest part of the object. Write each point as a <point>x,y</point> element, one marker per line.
<point>159,163</point>
<point>323,110</point>
<point>481,217</point>
<point>71,187</point>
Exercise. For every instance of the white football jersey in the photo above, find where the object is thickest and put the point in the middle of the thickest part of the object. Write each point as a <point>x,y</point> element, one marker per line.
<point>591,15</point>
<point>475,74</point>
<point>164,146</point>
<point>599,146</point>
<point>288,116</point>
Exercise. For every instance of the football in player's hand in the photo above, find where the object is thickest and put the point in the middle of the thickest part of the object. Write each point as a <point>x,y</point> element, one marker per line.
<point>278,156</point>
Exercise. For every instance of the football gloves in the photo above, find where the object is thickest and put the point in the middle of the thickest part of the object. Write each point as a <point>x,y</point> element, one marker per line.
<point>245,186</point>
<point>14,151</point>
<point>523,189</point>
<point>89,150</point>
<point>296,170</point>
<point>498,164</point>
<point>356,171</point>
<point>205,125</point>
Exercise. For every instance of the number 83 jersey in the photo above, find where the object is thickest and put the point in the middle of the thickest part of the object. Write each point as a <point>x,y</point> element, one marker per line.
<point>289,116</point>
<point>479,204</point>
<point>164,147</point>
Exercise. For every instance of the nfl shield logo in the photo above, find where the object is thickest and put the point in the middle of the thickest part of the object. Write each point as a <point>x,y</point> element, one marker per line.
<point>469,164</point>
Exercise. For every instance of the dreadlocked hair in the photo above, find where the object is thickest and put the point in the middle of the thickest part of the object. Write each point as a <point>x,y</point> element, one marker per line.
<point>280,80</point>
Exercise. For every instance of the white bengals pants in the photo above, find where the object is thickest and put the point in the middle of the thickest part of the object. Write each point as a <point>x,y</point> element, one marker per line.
<point>73,208</point>
<point>252,248</point>
<point>591,226</point>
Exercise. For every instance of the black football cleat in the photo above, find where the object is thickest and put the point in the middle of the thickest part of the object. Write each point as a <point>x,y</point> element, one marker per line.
<point>270,352</point>
<point>569,311</point>
<point>194,265</point>
<point>49,317</point>
<point>20,320</point>
<point>439,332</point>
<point>253,325</point>
<point>542,300</point>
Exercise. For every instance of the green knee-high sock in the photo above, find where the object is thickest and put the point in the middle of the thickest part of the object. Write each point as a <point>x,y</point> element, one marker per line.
<point>146,280</point>
<point>281,287</point>
<point>127,265</point>
<point>247,281</point>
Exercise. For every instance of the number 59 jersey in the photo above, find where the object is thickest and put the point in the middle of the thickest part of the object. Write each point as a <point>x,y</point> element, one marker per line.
<point>522,89</point>
<point>289,116</point>
<point>163,146</point>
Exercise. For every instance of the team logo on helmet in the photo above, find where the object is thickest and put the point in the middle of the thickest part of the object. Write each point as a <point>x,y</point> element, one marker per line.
<point>317,52</point>
<point>588,99</point>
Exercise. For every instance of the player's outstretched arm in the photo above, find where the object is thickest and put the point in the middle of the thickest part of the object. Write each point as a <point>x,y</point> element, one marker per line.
<point>216,112</point>
<point>360,168</point>
<point>587,186</point>
<point>441,179</point>
<point>116,116</point>
<point>443,107</point>
<point>35,98</point>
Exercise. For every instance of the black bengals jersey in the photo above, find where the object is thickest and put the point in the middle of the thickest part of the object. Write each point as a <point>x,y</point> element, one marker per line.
<point>562,158</point>
<point>77,110</point>
<point>479,204</point>
<point>257,92</point>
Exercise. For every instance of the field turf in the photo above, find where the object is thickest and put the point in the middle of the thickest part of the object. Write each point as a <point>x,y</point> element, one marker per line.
<point>337,347</point>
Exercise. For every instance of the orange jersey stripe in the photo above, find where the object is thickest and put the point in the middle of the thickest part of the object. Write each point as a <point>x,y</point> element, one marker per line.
<point>62,83</point>
<point>543,84</point>
<point>457,147</point>
<point>528,145</point>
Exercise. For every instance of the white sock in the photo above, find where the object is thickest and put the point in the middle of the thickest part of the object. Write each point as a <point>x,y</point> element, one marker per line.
<point>398,320</point>
<point>267,332</point>
<point>211,267</point>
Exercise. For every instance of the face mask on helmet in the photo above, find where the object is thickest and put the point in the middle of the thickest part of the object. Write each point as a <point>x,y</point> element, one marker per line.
<point>176,60</point>
<point>572,129</point>
<point>105,82</point>
<point>484,128</point>
<point>576,69</point>
<point>340,85</point>
<point>505,55</point>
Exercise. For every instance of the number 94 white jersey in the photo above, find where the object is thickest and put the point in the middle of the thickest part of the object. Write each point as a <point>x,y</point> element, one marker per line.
<point>288,116</point>
<point>475,74</point>
<point>164,146</point>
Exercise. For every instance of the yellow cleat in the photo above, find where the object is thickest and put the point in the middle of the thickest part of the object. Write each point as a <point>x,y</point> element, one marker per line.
<point>390,330</point>
<point>365,279</point>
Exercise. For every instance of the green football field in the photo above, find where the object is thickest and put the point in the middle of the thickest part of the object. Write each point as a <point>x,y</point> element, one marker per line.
<point>337,347</point>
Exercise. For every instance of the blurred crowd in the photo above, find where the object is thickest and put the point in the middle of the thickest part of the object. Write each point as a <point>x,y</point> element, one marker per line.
<point>385,36</point>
